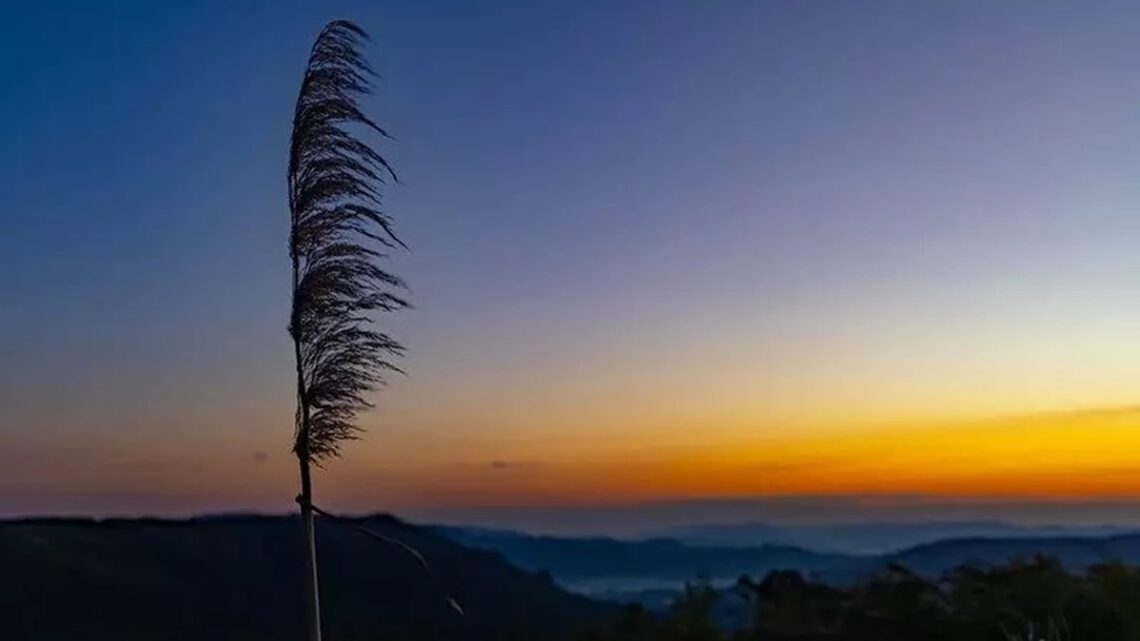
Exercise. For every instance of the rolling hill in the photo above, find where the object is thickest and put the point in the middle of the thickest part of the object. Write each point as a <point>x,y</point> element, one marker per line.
<point>237,578</point>
<point>579,560</point>
<point>1075,553</point>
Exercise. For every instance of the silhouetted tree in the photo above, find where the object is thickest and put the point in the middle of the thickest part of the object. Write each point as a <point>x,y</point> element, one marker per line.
<point>1036,595</point>
<point>1119,586</point>
<point>634,623</point>
<point>1032,599</point>
<point>786,606</point>
<point>338,235</point>
<point>898,605</point>
<point>691,614</point>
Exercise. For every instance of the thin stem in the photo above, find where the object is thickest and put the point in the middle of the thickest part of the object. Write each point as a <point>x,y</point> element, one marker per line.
<point>312,592</point>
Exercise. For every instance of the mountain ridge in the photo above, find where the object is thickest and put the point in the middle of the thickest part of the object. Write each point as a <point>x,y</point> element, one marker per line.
<point>874,537</point>
<point>619,569</point>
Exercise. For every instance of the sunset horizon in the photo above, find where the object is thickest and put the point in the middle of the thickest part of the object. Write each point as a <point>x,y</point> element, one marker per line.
<point>1019,469</point>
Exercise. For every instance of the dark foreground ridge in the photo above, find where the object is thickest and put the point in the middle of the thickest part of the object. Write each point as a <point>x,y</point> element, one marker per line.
<point>239,577</point>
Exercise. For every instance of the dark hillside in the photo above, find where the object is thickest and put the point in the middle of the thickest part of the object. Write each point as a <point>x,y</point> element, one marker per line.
<point>238,578</point>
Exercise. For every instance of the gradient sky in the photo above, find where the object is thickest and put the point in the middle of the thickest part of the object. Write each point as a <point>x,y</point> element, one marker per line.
<point>662,251</point>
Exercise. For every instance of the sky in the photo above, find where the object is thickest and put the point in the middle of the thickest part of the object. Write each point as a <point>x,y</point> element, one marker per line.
<point>662,253</point>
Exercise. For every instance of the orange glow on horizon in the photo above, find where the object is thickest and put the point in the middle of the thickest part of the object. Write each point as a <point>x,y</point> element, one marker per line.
<point>1084,455</point>
<point>1072,455</point>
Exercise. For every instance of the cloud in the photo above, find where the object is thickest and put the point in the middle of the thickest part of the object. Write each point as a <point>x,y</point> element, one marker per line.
<point>500,464</point>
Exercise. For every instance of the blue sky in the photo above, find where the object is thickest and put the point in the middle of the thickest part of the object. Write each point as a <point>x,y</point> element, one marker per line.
<point>749,216</point>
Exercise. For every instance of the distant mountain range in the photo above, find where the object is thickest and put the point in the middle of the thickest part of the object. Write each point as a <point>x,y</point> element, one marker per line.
<point>646,569</point>
<point>237,578</point>
<point>576,560</point>
<point>873,538</point>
